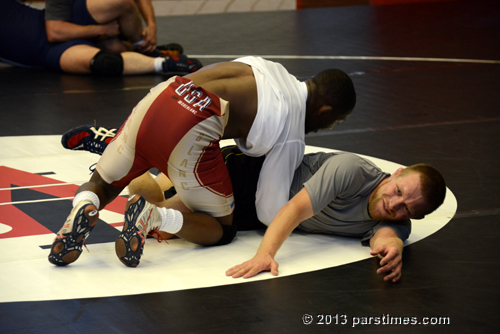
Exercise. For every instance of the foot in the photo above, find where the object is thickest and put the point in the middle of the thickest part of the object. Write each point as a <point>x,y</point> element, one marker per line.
<point>67,246</point>
<point>88,138</point>
<point>181,64</point>
<point>141,218</point>
<point>171,49</point>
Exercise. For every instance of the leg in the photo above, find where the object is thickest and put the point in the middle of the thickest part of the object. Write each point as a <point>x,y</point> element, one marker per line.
<point>203,229</point>
<point>153,191</point>
<point>67,246</point>
<point>148,188</point>
<point>76,60</point>
<point>191,156</point>
<point>124,11</point>
<point>163,182</point>
<point>143,219</point>
<point>104,191</point>
<point>114,45</point>
<point>199,228</point>
<point>137,63</point>
<point>117,167</point>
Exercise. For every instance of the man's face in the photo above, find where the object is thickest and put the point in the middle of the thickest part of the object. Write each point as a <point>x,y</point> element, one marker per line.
<point>397,198</point>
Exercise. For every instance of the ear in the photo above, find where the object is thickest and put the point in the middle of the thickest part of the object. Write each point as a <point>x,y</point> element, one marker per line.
<point>396,173</point>
<point>324,110</point>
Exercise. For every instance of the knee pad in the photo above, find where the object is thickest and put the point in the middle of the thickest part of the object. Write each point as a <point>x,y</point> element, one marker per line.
<point>228,234</point>
<point>107,64</point>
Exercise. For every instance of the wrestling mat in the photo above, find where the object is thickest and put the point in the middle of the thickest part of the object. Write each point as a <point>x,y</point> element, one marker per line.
<point>37,181</point>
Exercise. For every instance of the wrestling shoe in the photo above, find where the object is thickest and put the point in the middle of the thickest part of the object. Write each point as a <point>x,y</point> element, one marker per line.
<point>141,218</point>
<point>67,246</point>
<point>88,138</point>
<point>167,50</point>
<point>181,64</point>
<point>171,49</point>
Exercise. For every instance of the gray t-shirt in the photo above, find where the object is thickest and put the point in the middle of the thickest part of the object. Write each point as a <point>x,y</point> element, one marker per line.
<point>339,185</point>
<point>58,10</point>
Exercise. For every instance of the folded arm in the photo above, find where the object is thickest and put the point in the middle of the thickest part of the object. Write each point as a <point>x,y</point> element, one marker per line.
<point>62,31</point>
<point>386,244</point>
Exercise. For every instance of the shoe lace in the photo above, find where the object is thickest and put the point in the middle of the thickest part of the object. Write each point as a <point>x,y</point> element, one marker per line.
<point>95,147</point>
<point>103,132</point>
<point>154,233</point>
<point>61,236</point>
<point>98,143</point>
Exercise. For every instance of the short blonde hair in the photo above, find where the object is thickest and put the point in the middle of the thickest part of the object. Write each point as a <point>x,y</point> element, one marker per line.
<point>432,184</point>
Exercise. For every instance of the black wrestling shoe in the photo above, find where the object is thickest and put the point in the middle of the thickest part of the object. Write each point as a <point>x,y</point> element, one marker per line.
<point>167,50</point>
<point>171,49</point>
<point>67,245</point>
<point>88,138</point>
<point>181,64</point>
<point>141,218</point>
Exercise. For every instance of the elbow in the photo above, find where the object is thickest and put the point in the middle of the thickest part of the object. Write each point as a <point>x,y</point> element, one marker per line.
<point>264,218</point>
<point>266,214</point>
<point>52,37</point>
<point>53,30</point>
<point>267,209</point>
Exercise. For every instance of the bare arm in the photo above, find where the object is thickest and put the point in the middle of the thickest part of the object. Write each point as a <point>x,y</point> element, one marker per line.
<point>235,83</point>
<point>149,32</point>
<point>62,31</point>
<point>386,244</point>
<point>299,208</point>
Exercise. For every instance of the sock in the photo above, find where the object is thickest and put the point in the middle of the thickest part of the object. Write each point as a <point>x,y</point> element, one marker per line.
<point>159,64</point>
<point>171,220</point>
<point>88,196</point>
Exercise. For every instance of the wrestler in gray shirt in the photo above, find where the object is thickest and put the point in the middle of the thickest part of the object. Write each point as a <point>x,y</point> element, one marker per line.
<point>342,193</point>
<point>339,185</point>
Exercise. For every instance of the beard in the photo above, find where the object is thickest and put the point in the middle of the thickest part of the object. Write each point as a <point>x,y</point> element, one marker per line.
<point>371,208</point>
<point>373,204</point>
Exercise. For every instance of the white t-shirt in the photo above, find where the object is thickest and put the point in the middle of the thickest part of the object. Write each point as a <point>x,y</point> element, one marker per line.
<point>277,132</point>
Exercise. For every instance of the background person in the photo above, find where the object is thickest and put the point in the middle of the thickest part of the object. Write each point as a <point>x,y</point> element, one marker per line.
<point>24,43</point>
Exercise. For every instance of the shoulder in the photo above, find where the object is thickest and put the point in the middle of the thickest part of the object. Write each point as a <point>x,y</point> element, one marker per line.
<point>338,171</point>
<point>354,164</point>
<point>351,171</point>
<point>346,163</point>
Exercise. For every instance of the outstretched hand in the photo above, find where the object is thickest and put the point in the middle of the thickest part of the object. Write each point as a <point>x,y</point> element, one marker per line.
<point>254,266</point>
<point>391,262</point>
